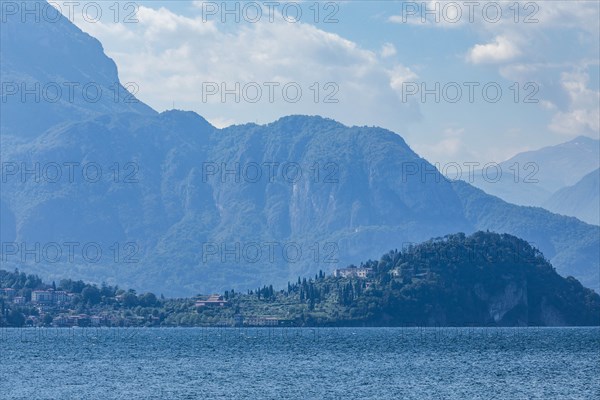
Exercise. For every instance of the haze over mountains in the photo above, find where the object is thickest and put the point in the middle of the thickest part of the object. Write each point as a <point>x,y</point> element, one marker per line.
<point>532,178</point>
<point>581,200</point>
<point>181,207</point>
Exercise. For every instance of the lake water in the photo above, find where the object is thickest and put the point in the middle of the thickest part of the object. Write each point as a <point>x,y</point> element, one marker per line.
<point>292,363</point>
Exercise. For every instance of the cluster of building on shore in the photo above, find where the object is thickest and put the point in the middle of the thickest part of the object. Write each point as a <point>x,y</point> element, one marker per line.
<point>57,304</point>
<point>67,320</point>
<point>38,297</point>
<point>239,320</point>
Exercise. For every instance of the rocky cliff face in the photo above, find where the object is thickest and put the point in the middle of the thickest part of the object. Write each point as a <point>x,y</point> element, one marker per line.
<point>512,297</point>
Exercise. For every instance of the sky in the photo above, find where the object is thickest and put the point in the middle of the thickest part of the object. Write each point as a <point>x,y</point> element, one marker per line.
<point>464,82</point>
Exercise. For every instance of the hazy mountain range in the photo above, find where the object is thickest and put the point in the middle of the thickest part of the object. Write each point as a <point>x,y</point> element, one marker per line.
<point>581,200</point>
<point>178,206</point>
<point>533,178</point>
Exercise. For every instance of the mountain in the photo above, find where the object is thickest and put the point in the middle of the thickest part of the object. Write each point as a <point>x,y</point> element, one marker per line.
<point>191,231</point>
<point>351,198</point>
<point>581,200</point>
<point>531,178</point>
<point>76,81</point>
<point>166,202</point>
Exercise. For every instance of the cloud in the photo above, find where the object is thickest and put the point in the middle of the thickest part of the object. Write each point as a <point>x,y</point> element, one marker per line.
<point>399,75</point>
<point>499,51</point>
<point>583,113</point>
<point>566,93</point>
<point>433,13</point>
<point>446,148</point>
<point>449,146</point>
<point>221,122</point>
<point>577,14</point>
<point>388,50</point>
<point>452,142</point>
<point>575,122</point>
<point>173,57</point>
<point>548,105</point>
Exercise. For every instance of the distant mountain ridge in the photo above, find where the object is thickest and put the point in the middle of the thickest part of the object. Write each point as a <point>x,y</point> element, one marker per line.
<point>169,215</point>
<point>532,177</point>
<point>581,200</point>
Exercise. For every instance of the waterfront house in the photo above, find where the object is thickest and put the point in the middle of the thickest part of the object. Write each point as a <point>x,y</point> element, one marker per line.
<point>61,320</point>
<point>261,321</point>
<point>353,272</point>
<point>48,297</point>
<point>41,297</point>
<point>213,300</point>
<point>61,296</point>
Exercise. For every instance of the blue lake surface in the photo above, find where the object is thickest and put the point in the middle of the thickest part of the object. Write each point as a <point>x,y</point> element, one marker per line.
<point>294,363</point>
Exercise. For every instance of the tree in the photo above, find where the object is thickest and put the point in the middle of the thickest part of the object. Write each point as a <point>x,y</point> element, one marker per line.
<point>130,300</point>
<point>16,319</point>
<point>91,295</point>
<point>148,300</point>
<point>47,319</point>
<point>106,290</point>
<point>72,286</point>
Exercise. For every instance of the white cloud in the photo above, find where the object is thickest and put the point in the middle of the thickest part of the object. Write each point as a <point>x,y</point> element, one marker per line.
<point>452,144</point>
<point>433,13</point>
<point>172,57</point>
<point>576,14</point>
<point>446,148</point>
<point>388,50</point>
<point>575,122</point>
<point>221,122</point>
<point>583,114</point>
<point>449,146</point>
<point>548,105</point>
<point>499,51</point>
<point>579,14</point>
<point>520,72</point>
<point>399,75</point>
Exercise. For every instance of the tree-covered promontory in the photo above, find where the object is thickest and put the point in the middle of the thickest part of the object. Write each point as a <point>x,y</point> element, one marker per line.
<point>485,279</point>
